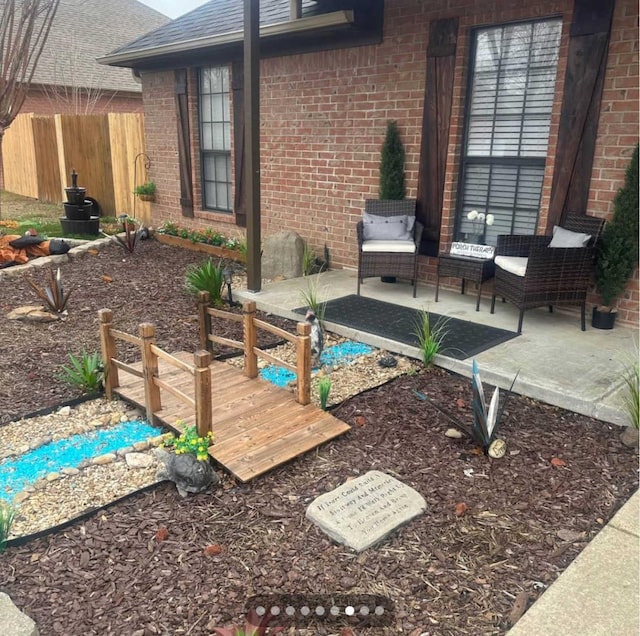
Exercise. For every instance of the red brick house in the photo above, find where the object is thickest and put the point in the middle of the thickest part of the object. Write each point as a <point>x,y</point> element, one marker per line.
<point>68,79</point>
<point>526,110</point>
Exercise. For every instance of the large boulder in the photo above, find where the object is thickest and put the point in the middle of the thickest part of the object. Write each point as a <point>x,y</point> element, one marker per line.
<point>282,255</point>
<point>12,621</point>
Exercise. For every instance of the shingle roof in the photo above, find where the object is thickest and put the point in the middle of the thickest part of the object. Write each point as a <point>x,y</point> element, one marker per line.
<point>84,30</point>
<point>215,18</point>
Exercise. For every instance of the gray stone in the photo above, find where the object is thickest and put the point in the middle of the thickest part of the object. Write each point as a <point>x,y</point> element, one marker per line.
<point>13,621</point>
<point>365,510</point>
<point>139,460</point>
<point>282,255</point>
<point>186,471</point>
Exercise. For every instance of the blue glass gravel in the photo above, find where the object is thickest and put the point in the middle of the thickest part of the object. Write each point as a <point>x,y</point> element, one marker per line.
<point>18,472</point>
<point>277,375</point>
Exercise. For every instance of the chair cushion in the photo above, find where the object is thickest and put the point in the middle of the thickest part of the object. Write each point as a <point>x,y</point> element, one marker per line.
<point>385,228</point>
<point>567,238</point>
<point>513,264</point>
<point>399,247</point>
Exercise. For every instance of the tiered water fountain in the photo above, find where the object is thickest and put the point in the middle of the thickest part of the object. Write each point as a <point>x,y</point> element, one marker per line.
<point>78,210</point>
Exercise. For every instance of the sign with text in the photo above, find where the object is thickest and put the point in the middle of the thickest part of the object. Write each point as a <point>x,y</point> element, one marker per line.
<point>472,250</point>
<point>363,511</point>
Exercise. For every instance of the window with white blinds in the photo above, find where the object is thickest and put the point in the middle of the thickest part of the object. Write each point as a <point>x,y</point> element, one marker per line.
<point>511,87</point>
<point>215,138</point>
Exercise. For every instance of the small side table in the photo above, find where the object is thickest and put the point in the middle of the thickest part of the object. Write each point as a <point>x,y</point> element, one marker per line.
<point>477,270</point>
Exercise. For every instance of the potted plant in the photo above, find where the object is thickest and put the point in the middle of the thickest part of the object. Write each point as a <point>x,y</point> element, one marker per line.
<point>146,191</point>
<point>617,253</point>
<point>392,177</point>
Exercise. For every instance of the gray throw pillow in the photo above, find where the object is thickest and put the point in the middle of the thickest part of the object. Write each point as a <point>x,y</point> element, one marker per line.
<point>385,228</point>
<point>567,238</point>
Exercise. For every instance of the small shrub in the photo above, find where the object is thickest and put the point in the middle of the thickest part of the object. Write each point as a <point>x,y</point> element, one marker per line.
<point>392,176</point>
<point>148,188</point>
<point>86,373</point>
<point>207,277</point>
<point>191,442</point>
<point>430,337</point>
<point>53,294</point>
<point>309,298</point>
<point>324,388</point>
<point>8,513</point>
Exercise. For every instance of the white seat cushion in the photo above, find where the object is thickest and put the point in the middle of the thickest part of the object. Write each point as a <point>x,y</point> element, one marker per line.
<point>513,264</point>
<point>399,247</point>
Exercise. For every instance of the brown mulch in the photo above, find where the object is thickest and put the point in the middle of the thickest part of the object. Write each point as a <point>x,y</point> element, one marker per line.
<point>147,566</point>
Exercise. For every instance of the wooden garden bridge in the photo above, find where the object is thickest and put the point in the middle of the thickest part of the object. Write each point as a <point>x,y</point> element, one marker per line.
<point>256,425</point>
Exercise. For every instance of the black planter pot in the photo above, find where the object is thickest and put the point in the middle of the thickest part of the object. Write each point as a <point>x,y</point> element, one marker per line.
<point>603,319</point>
<point>388,279</point>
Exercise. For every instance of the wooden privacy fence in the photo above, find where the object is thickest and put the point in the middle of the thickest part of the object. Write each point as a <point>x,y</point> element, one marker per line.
<point>200,370</point>
<point>39,153</point>
<point>302,341</point>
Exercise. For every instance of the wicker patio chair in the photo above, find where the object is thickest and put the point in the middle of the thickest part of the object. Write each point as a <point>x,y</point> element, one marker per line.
<point>393,257</point>
<point>548,275</point>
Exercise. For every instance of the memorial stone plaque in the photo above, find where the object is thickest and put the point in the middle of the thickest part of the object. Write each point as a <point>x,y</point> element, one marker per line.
<point>363,511</point>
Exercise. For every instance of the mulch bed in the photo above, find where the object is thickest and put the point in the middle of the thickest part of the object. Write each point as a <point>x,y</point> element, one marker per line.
<point>148,566</point>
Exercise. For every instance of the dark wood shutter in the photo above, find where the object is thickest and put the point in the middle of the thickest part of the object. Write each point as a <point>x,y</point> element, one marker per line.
<point>237,86</point>
<point>586,65</point>
<point>184,143</point>
<point>436,121</point>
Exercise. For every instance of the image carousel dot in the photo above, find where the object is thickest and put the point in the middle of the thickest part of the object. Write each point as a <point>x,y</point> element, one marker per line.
<point>300,610</point>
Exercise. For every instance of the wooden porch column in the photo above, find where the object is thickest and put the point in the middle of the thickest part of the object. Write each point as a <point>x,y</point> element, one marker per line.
<point>204,321</point>
<point>108,347</point>
<point>202,381</point>
<point>252,140</point>
<point>250,340</point>
<point>152,401</point>
<point>303,347</point>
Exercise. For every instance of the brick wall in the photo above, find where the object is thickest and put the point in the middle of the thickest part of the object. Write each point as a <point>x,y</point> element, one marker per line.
<point>323,120</point>
<point>41,102</point>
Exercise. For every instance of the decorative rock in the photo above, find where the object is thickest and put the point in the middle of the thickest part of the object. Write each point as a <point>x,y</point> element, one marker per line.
<point>158,440</point>
<point>65,411</point>
<point>497,449</point>
<point>14,622</point>
<point>53,476</point>
<point>122,452</point>
<point>453,433</point>
<point>141,446</point>
<point>187,472</point>
<point>102,460</point>
<point>282,255</point>
<point>138,460</point>
<point>71,472</point>
<point>32,313</point>
<point>363,511</point>
<point>21,497</point>
<point>629,437</point>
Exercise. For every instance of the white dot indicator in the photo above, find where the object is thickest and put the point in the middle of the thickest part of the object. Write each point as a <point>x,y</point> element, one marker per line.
<point>364,610</point>
<point>290,611</point>
<point>275,610</point>
<point>305,611</point>
<point>349,610</point>
<point>334,611</point>
<point>379,611</point>
<point>260,611</point>
<point>320,610</point>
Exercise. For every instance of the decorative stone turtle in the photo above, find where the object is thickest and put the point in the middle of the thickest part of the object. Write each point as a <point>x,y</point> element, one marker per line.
<point>387,362</point>
<point>186,471</point>
<point>497,449</point>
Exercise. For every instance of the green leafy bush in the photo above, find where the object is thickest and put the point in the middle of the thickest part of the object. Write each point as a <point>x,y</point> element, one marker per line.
<point>429,336</point>
<point>207,236</point>
<point>324,388</point>
<point>207,277</point>
<point>392,177</point>
<point>86,373</point>
<point>148,188</point>
<point>618,245</point>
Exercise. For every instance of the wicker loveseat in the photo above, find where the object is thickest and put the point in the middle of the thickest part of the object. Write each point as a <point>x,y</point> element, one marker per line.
<point>532,272</point>
<point>388,240</point>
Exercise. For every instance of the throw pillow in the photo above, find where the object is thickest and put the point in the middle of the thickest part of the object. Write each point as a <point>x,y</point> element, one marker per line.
<point>385,228</point>
<point>567,238</point>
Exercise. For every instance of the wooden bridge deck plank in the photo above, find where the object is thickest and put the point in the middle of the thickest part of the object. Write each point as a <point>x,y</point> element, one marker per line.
<point>257,426</point>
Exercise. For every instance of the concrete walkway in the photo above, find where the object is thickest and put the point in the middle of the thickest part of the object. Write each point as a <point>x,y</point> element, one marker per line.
<point>558,364</point>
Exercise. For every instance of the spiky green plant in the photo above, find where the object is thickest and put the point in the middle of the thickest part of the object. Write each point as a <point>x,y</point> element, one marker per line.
<point>324,388</point>
<point>392,177</point>
<point>430,336</point>
<point>630,394</point>
<point>207,277</point>
<point>53,294</point>
<point>308,260</point>
<point>85,372</point>
<point>309,297</point>
<point>8,513</point>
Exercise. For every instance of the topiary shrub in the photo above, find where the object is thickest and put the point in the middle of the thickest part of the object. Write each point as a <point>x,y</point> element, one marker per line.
<point>392,178</point>
<point>618,246</point>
